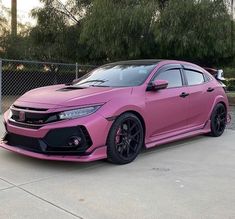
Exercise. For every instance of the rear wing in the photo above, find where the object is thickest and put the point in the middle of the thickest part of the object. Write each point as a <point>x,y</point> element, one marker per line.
<point>217,73</point>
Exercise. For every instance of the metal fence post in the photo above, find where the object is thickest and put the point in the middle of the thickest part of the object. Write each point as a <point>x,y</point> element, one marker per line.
<point>0,86</point>
<point>76,70</point>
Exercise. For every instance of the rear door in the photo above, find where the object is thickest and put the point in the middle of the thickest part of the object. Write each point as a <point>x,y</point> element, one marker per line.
<point>167,110</point>
<point>201,96</point>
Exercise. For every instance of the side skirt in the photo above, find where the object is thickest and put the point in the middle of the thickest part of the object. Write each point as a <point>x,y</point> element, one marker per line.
<point>204,130</point>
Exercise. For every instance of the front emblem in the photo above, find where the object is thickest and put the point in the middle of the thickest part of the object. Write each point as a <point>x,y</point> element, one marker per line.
<point>21,116</point>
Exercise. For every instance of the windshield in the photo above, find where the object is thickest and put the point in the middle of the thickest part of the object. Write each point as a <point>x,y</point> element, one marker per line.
<point>116,75</point>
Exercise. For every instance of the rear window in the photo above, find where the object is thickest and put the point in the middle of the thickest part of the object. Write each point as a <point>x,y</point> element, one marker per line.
<point>194,77</point>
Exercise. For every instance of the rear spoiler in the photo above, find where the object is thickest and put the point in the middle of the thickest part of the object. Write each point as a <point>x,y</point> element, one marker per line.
<point>217,73</point>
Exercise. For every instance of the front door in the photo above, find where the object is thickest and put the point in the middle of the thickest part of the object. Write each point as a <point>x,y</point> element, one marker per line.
<point>167,110</point>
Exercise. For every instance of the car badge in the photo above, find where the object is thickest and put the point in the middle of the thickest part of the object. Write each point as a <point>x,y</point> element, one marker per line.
<point>21,116</point>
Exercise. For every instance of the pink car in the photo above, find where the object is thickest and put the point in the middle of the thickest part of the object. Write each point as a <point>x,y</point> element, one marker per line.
<point>115,110</point>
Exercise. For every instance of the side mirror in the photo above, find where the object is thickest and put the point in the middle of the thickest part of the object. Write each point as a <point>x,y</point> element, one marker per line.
<point>76,80</point>
<point>157,85</point>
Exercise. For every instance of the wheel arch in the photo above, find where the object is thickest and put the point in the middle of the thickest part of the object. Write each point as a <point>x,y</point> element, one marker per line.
<point>219,99</point>
<point>138,115</point>
<point>222,102</point>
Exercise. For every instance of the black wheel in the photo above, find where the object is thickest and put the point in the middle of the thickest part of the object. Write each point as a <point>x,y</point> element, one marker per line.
<point>125,139</point>
<point>218,120</point>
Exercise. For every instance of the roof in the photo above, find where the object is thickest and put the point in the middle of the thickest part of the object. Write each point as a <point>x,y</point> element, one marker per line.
<point>138,62</point>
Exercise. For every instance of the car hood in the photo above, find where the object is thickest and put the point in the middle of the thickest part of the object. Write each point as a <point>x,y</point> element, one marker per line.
<point>64,96</point>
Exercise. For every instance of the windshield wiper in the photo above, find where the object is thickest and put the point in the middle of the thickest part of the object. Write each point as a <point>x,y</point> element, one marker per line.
<point>94,85</point>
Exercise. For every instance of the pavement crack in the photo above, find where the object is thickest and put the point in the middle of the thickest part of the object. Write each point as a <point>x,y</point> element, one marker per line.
<point>10,187</point>
<point>51,203</point>
<point>38,197</point>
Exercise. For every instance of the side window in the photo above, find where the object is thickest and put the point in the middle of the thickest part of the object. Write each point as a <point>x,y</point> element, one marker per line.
<point>194,77</point>
<point>173,76</point>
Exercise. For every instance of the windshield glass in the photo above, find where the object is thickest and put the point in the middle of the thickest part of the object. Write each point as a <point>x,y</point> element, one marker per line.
<point>116,75</point>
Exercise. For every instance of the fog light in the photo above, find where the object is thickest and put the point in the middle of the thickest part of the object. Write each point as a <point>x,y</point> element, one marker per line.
<point>74,141</point>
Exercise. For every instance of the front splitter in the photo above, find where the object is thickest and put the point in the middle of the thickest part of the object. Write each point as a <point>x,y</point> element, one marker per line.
<point>98,154</point>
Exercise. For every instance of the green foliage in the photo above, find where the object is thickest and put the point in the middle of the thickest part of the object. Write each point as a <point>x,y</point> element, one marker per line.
<point>229,72</point>
<point>231,84</point>
<point>98,31</point>
<point>116,30</point>
<point>12,47</point>
<point>195,30</point>
<point>48,36</point>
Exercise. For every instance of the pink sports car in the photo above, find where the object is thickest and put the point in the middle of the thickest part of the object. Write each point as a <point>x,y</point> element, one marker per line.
<point>115,110</point>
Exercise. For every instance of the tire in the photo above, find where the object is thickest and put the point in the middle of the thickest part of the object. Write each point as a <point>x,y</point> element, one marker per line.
<point>125,139</point>
<point>218,120</point>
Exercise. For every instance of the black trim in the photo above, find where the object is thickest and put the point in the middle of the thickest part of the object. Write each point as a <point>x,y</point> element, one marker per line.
<point>111,118</point>
<point>192,68</point>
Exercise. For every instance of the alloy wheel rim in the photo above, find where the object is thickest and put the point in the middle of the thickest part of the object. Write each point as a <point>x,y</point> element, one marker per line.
<point>220,119</point>
<point>127,138</point>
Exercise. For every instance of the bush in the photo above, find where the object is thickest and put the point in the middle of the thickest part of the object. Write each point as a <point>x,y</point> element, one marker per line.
<point>229,72</point>
<point>230,84</point>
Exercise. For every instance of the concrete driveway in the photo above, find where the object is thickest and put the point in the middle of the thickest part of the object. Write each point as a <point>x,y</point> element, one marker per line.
<point>194,178</point>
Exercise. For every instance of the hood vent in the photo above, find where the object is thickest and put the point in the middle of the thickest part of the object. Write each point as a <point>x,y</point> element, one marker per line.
<point>64,89</point>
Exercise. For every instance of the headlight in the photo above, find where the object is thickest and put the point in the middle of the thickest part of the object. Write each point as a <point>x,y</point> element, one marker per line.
<point>10,114</point>
<point>77,113</point>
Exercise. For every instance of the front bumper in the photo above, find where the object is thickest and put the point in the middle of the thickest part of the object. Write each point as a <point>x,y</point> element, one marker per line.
<point>98,154</point>
<point>97,128</point>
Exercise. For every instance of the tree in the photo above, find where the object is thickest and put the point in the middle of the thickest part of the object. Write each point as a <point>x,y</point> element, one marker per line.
<point>115,30</point>
<point>11,46</point>
<point>195,30</point>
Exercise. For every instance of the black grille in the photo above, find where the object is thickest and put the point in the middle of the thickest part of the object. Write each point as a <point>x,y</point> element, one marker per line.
<point>28,143</point>
<point>33,118</point>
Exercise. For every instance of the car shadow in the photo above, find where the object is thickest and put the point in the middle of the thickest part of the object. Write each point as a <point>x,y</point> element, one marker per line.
<point>72,166</point>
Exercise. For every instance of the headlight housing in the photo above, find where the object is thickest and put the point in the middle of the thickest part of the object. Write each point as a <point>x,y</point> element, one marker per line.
<point>77,113</point>
<point>10,114</point>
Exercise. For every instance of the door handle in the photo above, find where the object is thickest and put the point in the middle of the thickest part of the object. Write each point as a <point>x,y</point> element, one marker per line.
<point>210,89</point>
<point>184,94</point>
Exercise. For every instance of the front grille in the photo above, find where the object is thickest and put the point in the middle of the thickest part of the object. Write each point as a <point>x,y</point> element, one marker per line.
<point>31,118</point>
<point>55,142</point>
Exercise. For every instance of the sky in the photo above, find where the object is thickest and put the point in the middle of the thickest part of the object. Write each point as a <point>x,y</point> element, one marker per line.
<point>24,7</point>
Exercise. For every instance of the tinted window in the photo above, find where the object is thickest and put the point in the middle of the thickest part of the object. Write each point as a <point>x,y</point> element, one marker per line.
<point>173,77</point>
<point>116,75</point>
<point>194,77</point>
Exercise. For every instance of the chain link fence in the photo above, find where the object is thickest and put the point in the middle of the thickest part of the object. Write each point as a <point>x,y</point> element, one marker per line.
<point>18,77</point>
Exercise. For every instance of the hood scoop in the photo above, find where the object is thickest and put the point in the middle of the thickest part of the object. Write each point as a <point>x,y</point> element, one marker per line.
<point>70,88</point>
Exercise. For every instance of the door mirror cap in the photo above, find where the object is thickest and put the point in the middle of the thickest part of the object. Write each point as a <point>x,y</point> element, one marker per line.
<point>157,85</point>
<point>76,80</point>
